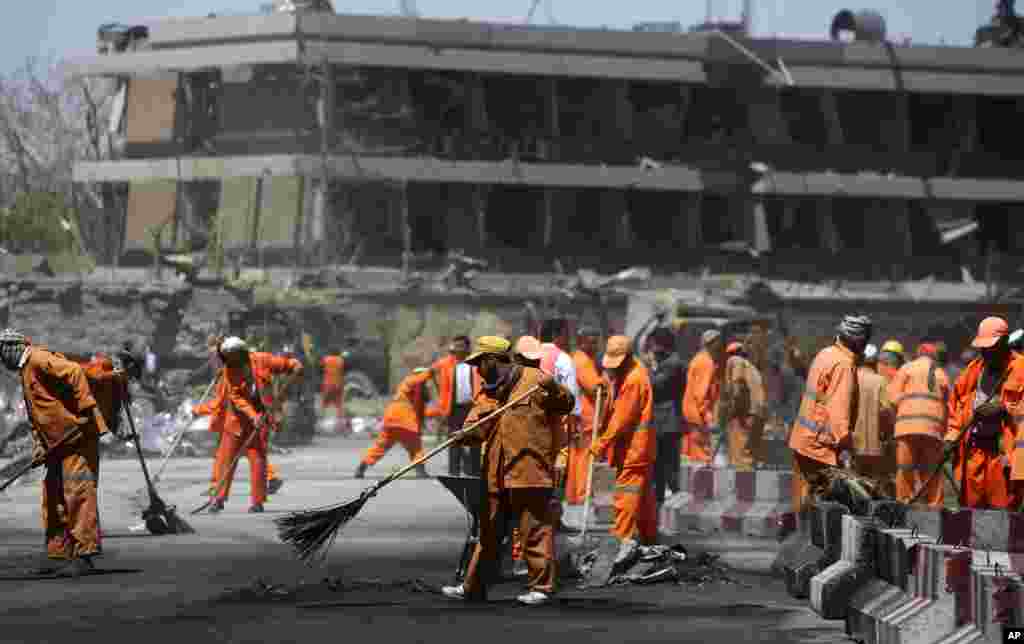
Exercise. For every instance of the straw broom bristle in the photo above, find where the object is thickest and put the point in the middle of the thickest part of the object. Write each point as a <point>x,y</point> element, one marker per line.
<point>311,533</point>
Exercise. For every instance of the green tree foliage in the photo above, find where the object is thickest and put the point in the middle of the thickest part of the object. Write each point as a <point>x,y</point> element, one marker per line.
<point>39,222</point>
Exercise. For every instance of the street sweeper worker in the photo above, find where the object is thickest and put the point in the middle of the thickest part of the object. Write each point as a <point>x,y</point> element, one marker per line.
<point>742,407</point>
<point>703,386</point>
<point>629,441</point>
<point>457,385</point>
<point>518,469</point>
<point>402,423</point>
<point>874,454</point>
<point>238,409</point>
<point>823,427</point>
<point>920,390</point>
<point>61,406</point>
<point>274,480</point>
<point>332,387</point>
<point>984,413</point>
<point>588,379</point>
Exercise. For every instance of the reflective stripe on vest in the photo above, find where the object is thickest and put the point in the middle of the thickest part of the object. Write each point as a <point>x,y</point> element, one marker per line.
<point>926,409</point>
<point>811,425</point>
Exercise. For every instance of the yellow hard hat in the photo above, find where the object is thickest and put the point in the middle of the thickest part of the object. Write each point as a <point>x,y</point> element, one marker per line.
<point>893,346</point>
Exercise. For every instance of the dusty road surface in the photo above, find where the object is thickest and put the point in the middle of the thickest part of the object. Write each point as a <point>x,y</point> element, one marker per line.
<point>234,581</point>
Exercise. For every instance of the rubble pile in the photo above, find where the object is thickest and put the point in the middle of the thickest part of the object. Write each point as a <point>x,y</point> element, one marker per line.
<point>660,564</point>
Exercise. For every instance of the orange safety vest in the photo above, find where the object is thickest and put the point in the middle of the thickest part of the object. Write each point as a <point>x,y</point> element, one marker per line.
<point>829,407</point>
<point>628,431</point>
<point>920,391</point>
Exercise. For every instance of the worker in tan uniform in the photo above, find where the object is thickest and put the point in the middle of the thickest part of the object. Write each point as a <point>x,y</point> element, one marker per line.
<point>519,452</point>
<point>920,390</point>
<point>742,408</point>
<point>700,400</point>
<point>66,428</point>
<point>874,454</point>
<point>823,427</point>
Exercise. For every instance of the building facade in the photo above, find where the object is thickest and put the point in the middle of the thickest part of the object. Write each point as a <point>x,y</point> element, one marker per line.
<point>300,138</point>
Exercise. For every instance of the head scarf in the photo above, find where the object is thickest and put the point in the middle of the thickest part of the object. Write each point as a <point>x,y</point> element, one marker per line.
<point>856,327</point>
<point>12,347</point>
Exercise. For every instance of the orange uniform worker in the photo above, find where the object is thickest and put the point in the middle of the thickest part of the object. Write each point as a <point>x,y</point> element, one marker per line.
<point>824,426</point>
<point>402,423</point>
<point>743,408</point>
<point>58,400</point>
<point>920,390</point>
<point>588,379</point>
<point>874,454</point>
<point>629,440</point>
<point>332,388</point>
<point>457,385</point>
<point>700,400</point>
<point>239,409</point>
<point>518,468</point>
<point>985,403</point>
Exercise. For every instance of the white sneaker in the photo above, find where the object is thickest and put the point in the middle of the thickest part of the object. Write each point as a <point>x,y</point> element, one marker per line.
<point>454,592</point>
<point>533,598</point>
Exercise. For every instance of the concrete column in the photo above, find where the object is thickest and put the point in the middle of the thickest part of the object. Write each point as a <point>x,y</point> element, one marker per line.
<point>553,126</point>
<point>403,207</point>
<point>767,124</point>
<point>549,217</point>
<point>833,124</point>
<point>476,112</point>
<point>479,205</point>
<point>689,218</point>
<point>828,233</point>
<point>613,221</point>
<point>622,110</point>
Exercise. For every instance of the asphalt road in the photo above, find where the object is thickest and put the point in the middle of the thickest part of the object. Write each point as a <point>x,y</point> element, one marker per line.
<point>384,569</point>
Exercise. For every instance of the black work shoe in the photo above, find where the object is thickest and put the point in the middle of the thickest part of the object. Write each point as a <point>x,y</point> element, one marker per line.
<point>256,508</point>
<point>360,471</point>
<point>216,506</point>
<point>273,485</point>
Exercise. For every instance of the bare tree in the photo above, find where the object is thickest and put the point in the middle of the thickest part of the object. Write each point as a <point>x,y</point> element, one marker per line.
<point>48,122</point>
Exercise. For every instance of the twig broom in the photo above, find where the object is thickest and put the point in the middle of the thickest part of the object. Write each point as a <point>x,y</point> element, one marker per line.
<point>311,533</point>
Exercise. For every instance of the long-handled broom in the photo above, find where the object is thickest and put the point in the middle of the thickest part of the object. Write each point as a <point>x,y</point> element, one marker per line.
<point>181,434</point>
<point>581,540</point>
<point>159,517</point>
<point>311,533</point>
<point>31,465</point>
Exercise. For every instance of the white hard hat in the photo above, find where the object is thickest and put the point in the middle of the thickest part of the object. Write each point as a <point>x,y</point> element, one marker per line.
<point>233,344</point>
<point>870,352</point>
<point>1016,336</point>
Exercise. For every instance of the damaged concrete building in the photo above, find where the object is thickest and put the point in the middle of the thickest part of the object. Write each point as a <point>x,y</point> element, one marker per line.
<point>297,138</point>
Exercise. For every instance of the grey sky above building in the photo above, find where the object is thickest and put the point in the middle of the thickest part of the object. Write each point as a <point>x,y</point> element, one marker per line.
<point>65,28</point>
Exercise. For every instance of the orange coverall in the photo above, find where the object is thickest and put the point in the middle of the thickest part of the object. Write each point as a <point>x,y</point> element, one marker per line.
<point>631,439</point>
<point>236,413</point>
<point>332,389</point>
<point>58,399</point>
<point>700,400</point>
<point>403,420</point>
<point>578,468</point>
<point>985,474</point>
<point>920,391</point>
<point>824,425</point>
<point>874,454</point>
<point>745,421</point>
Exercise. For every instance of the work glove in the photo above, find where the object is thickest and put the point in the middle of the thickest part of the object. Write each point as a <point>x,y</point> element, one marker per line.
<point>38,452</point>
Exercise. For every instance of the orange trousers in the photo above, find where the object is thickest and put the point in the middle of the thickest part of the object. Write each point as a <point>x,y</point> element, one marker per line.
<point>256,454</point>
<point>215,476</point>
<point>530,508</point>
<point>804,468</point>
<point>70,510</point>
<point>987,484</point>
<point>578,469</point>
<point>636,509</point>
<point>387,438</point>
<point>697,444</point>
<point>917,456</point>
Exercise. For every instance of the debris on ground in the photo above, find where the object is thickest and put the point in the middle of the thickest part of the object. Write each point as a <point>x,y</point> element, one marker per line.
<point>259,590</point>
<point>336,584</point>
<point>635,564</point>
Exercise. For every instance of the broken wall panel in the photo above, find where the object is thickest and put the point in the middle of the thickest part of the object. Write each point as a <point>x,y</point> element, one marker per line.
<point>235,217</point>
<point>151,204</point>
<point>373,107</point>
<point>151,113</point>
<point>280,211</point>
